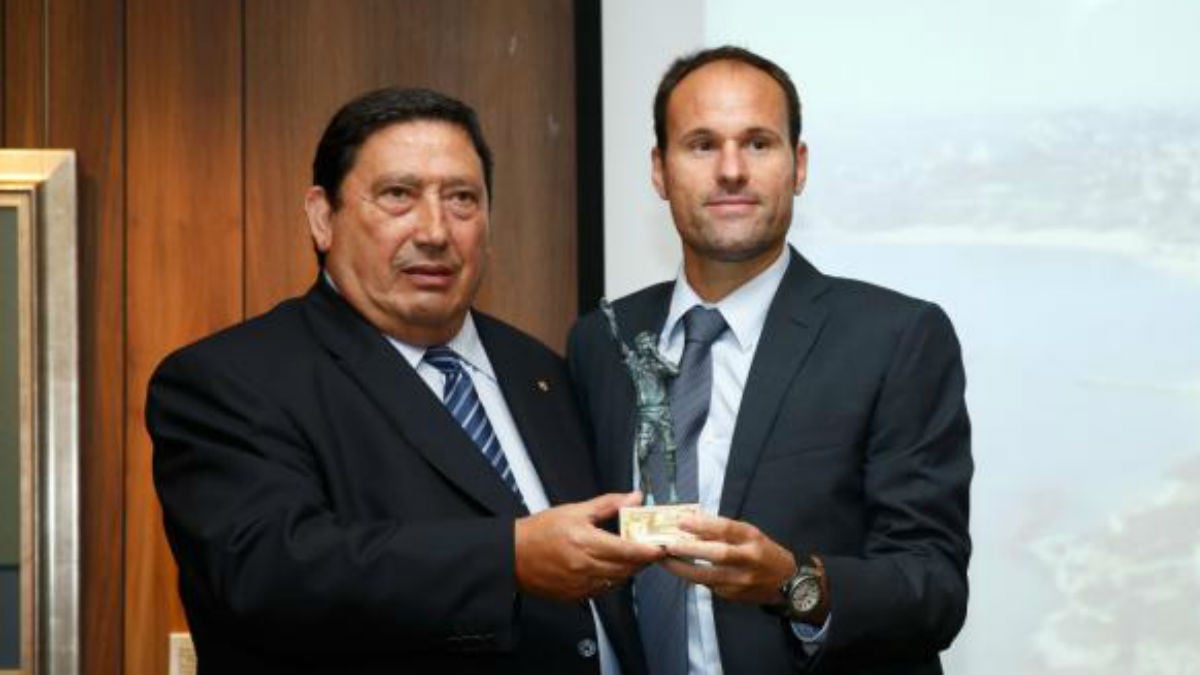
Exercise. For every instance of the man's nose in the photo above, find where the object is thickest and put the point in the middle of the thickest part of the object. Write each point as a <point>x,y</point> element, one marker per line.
<point>731,165</point>
<point>431,226</point>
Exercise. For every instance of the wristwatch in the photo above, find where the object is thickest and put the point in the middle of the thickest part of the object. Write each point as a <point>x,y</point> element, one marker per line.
<point>805,595</point>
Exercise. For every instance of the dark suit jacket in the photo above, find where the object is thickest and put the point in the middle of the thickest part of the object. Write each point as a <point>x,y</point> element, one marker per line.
<point>328,515</point>
<point>852,441</point>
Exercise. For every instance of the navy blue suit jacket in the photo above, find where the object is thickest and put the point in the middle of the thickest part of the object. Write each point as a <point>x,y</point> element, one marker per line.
<point>328,515</point>
<point>852,441</point>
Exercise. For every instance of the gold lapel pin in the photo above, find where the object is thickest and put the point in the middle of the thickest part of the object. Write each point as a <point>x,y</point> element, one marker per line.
<point>543,385</point>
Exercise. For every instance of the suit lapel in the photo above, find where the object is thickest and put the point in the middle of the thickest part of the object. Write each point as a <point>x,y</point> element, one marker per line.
<point>793,323</point>
<point>417,415</point>
<point>528,391</point>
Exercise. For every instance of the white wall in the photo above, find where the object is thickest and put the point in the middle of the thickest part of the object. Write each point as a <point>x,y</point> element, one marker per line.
<point>640,39</point>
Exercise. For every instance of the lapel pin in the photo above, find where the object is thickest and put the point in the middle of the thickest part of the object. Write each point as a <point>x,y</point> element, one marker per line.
<point>543,385</point>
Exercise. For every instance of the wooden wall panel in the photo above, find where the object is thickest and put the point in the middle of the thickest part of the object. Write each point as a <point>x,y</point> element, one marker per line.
<point>24,74</point>
<point>511,61</point>
<point>183,253</point>
<point>524,91</point>
<point>85,43</point>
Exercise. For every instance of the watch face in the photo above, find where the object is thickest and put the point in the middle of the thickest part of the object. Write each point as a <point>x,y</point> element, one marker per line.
<point>805,595</point>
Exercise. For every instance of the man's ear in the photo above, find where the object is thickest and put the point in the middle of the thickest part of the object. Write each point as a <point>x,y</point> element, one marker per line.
<point>656,172</point>
<point>801,166</point>
<point>320,217</point>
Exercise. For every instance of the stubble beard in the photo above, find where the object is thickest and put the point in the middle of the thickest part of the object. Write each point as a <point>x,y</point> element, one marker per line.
<point>708,244</point>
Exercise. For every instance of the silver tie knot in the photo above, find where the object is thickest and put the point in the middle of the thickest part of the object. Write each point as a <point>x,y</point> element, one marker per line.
<point>703,325</point>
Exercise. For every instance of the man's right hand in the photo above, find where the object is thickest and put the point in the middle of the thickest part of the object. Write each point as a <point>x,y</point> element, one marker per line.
<point>562,554</point>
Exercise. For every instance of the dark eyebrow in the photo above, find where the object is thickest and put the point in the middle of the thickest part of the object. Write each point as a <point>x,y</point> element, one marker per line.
<point>752,132</point>
<point>702,132</point>
<point>393,178</point>
<point>454,183</point>
<point>763,131</point>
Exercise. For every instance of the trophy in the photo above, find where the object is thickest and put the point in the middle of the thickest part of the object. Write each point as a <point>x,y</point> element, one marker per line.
<point>651,373</point>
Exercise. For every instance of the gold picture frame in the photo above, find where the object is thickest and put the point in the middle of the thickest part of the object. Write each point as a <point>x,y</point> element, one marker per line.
<point>38,198</point>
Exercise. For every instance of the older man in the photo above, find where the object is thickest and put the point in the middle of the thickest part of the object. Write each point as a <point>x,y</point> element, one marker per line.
<point>360,480</point>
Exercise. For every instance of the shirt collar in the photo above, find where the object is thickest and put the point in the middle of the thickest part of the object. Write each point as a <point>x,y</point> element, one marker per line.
<point>466,344</point>
<point>744,310</point>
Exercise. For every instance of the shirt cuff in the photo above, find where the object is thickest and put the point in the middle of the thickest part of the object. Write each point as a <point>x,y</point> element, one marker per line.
<point>811,637</point>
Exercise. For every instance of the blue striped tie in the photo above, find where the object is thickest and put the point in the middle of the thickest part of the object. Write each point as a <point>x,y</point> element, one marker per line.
<point>463,403</point>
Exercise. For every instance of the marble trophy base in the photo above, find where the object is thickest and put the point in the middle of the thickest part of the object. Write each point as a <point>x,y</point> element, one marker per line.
<point>657,524</point>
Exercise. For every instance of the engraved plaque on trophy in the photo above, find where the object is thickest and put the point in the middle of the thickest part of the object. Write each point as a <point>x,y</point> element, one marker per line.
<point>656,524</point>
<point>651,373</point>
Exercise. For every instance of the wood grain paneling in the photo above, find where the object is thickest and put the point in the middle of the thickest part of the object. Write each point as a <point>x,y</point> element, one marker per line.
<point>525,95</point>
<point>24,74</point>
<point>183,253</point>
<point>511,61</point>
<point>85,39</point>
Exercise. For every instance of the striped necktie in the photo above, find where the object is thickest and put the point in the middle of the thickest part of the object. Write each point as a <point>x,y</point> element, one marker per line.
<point>463,403</point>
<point>661,597</point>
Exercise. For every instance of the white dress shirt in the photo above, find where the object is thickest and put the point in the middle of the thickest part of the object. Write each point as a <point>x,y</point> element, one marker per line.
<point>745,312</point>
<point>477,366</point>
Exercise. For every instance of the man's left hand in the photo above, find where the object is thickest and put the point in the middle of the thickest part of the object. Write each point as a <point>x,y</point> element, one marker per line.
<point>746,565</point>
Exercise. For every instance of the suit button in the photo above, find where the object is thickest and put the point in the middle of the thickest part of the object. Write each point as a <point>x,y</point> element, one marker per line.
<point>586,648</point>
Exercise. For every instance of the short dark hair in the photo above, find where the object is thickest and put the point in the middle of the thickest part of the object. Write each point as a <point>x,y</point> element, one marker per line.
<point>354,123</point>
<point>686,65</point>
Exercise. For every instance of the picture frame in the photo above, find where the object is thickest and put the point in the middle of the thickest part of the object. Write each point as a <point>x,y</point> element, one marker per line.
<point>39,285</point>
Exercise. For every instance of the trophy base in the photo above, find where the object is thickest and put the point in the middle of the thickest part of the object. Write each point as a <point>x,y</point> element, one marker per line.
<point>656,524</point>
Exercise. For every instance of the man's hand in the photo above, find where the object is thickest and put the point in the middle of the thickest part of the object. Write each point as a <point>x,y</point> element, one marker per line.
<point>562,554</point>
<point>747,565</point>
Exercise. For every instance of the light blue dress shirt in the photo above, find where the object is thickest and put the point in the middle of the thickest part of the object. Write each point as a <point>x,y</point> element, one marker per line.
<point>745,311</point>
